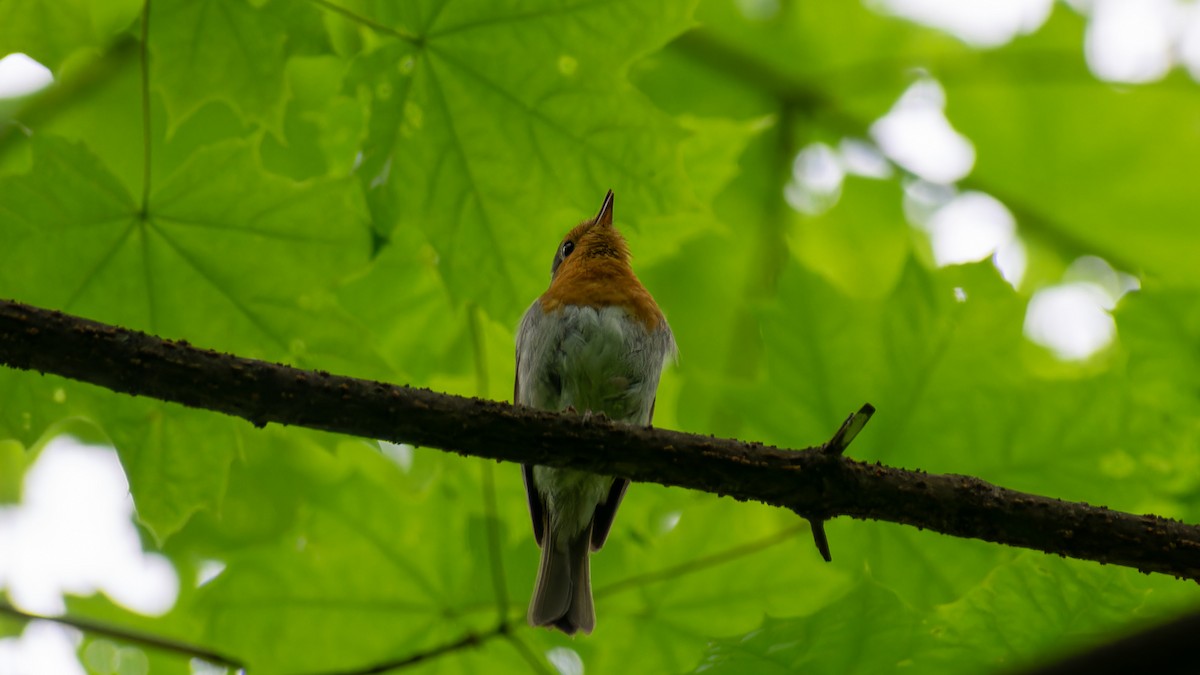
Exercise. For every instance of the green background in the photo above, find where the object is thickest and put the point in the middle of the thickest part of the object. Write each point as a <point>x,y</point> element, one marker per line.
<point>377,188</point>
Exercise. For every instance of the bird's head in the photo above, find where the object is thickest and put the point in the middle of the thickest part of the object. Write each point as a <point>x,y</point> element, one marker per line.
<point>592,241</point>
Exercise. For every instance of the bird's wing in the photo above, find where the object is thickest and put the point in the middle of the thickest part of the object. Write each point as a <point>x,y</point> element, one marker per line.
<point>536,509</point>
<point>606,511</point>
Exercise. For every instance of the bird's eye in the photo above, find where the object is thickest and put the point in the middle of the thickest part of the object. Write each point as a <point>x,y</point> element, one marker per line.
<point>560,255</point>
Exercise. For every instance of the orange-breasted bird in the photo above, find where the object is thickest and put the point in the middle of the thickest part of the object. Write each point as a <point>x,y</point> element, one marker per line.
<point>594,342</point>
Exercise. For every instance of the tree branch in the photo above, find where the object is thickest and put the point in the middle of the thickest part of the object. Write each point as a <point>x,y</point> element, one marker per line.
<point>469,640</point>
<point>193,651</point>
<point>813,483</point>
<point>130,637</point>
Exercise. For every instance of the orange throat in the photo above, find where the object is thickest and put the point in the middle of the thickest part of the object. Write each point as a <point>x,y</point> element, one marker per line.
<point>601,283</point>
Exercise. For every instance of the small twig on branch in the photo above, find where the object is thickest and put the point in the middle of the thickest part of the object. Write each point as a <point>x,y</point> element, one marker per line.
<point>129,637</point>
<point>820,539</point>
<point>836,447</point>
<point>806,482</point>
<point>849,431</point>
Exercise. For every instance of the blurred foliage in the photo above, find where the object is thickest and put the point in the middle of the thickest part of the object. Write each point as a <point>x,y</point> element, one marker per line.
<point>376,188</point>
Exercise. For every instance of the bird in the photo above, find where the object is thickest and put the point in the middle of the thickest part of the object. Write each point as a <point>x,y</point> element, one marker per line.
<point>594,343</point>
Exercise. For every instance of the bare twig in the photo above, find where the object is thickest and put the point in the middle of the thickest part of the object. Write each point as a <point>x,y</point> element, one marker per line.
<point>697,564</point>
<point>535,663</point>
<point>469,640</point>
<point>846,434</point>
<point>130,637</point>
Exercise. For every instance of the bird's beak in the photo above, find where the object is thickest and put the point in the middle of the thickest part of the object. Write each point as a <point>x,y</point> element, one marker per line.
<point>605,216</point>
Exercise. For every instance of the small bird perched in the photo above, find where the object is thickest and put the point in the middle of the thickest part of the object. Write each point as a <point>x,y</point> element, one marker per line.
<point>595,342</point>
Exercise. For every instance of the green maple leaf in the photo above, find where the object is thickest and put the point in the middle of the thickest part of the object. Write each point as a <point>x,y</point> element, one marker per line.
<point>464,100</point>
<point>225,256</point>
<point>51,32</point>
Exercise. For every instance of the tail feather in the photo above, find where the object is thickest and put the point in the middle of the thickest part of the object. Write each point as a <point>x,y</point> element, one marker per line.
<point>562,595</point>
<point>552,590</point>
<point>582,612</point>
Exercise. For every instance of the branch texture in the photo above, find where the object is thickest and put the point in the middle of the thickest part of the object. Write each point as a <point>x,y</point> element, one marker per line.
<point>813,483</point>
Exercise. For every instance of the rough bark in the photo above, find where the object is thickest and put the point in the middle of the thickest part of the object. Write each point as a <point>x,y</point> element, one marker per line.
<point>814,483</point>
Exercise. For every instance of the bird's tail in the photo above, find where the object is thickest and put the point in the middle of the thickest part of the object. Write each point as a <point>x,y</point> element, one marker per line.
<point>562,595</point>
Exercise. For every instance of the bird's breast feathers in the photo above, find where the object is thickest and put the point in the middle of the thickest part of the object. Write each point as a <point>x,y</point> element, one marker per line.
<point>599,359</point>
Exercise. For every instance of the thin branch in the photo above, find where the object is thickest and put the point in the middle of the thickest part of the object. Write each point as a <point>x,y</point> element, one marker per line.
<point>536,664</point>
<point>192,651</point>
<point>809,482</point>
<point>467,641</point>
<point>698,564</point>
<point>679,570</point>
<point>140,639</point>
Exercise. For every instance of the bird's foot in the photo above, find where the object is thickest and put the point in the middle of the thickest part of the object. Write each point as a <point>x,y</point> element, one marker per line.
<point>597,416</point>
